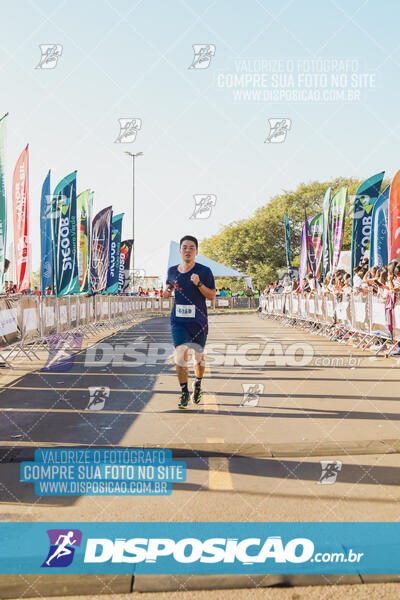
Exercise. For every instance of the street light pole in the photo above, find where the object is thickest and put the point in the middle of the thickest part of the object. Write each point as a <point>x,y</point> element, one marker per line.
<point>133,211</point>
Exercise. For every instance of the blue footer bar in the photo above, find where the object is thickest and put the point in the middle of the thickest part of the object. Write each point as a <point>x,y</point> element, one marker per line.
<point>199,548</point>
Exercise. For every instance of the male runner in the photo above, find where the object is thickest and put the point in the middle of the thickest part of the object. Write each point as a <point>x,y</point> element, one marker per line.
<point>193,283</point>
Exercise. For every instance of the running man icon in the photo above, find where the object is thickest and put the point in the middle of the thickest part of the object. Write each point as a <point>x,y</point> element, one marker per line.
<point>61,550</point>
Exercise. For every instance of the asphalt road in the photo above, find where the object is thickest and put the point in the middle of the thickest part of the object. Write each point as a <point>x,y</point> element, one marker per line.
<point>276,402</point>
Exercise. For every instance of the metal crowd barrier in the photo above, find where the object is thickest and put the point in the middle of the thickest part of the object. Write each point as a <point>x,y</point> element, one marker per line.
<point>31,323</point>
<point>364,317</point>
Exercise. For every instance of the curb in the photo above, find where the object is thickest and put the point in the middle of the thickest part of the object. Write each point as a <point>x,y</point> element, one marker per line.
<point>12,586</point>
<point>28,586</point>
<point>17,453</point>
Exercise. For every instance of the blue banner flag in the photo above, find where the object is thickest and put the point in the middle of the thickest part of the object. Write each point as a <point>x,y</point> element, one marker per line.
<point>364,201</point>
<point>46,238</point>
<point>378,250</point>
<point>66,276</point>
<point>113,270</point>
<point>100,250</point>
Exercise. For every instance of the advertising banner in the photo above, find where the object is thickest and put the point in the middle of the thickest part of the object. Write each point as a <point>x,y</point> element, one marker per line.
<point>3,200</point>
<point>65,237</point>
<point>364,201</point>
<point>315,242</point>
<point>100,250</point>
<point>394,219</point>
<point>115,254</point>
<point>287,244</point>
<point>20,198</point>
<point>326,233</point>
<point>46,237</point>
<point>337,216</point>
<point>83,220</point>
<point>378,252</point>
<point>125,259</point>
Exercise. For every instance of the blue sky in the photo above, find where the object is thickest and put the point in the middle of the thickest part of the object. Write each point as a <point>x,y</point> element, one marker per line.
<point>130,59</point>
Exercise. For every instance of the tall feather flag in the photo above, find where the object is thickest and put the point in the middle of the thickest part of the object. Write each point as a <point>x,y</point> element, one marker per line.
<point>3,201</point>
<point>337,216</point>
<point>378,248</point>
<point>20,199</point>
<point>316,233</point>
<point>83,221</point>
<point>65,237</point>
<point>115,248</point>
<point>100,251</point>
<point>309,246</point>
<point>394,219</point>
<point>125,260</point>
<point>364,201</point>
<point>46,237</point>
<point>303,250</point>
<point>288,245</point>
<point>325,233</point>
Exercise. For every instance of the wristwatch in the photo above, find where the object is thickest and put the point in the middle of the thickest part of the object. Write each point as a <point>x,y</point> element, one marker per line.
<point>199,284</point>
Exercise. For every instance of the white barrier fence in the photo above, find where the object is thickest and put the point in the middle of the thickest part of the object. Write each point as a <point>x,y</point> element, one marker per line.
<point>360,314</point>
<point>28,322</point>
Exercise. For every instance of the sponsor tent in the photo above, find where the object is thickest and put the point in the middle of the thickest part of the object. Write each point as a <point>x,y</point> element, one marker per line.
<point>217,269</point>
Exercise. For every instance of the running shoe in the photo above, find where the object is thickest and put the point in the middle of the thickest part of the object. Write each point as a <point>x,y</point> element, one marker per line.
<point>196,394</point>
<point>184,400</point>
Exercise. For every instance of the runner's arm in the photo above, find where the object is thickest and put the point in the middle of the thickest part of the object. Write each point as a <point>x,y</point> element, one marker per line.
<point>207,292</point>
<point>168,291</point>
<point>169,286</point>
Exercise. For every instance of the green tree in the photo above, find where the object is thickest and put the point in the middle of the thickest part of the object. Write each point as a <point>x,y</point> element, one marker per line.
<point>35,279</point>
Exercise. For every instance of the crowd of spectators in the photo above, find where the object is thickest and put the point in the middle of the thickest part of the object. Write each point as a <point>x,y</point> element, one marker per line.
<point>381,281</point>
<point>226,292</point>
<point>11,288</point>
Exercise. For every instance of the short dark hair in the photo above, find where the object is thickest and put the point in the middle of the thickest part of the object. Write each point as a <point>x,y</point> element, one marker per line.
<point>190,238</point>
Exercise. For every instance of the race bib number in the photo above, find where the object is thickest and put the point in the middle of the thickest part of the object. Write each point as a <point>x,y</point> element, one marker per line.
<point>185,310</point>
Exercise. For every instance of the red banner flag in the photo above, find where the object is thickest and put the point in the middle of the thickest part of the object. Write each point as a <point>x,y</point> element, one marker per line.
<point>20,192</point>
<point>394,219</point>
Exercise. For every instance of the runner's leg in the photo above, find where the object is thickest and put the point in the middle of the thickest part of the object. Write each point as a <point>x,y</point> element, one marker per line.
<point>182,371</point>
<point>199,368</point>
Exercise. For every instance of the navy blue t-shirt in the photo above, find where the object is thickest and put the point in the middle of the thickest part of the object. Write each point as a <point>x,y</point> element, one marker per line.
<point>190,304</point>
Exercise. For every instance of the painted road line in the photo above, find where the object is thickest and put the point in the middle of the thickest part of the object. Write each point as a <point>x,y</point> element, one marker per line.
<point>219,477</point>
<point>210,402</point>
<point>209,398</point>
